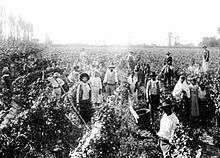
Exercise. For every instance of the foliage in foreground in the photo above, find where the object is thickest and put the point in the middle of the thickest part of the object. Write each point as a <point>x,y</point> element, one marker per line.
<point>32,123</point>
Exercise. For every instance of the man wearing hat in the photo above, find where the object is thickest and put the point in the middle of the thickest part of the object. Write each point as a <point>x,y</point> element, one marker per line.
<point>167,71</point>
<point>131,61</point>
<point>205,61</point>
<point>56,83</point>
<point>168,124</point>
<point>168,59</point>
<point>74,75</point>
<point>153,94</point>
<point>110,80</point>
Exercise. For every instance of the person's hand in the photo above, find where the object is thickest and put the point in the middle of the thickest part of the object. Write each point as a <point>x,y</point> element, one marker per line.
<point>77,107</point>
<point>100,91</point>
<point>105,84</point>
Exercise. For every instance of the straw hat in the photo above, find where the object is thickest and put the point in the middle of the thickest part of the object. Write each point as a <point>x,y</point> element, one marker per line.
<point>166,103</point>
<point>111,66</point>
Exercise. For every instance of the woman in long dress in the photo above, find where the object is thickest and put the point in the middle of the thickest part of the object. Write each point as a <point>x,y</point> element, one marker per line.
<point>205,61</point>
<point>194,93</point>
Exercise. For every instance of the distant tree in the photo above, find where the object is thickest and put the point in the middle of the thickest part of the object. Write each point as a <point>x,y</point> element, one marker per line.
<point>48,40</point>
<point>218,30</point>
<point>210,42</point>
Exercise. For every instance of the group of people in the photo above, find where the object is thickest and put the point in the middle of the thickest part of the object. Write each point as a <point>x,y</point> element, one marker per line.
<point>90,87</point>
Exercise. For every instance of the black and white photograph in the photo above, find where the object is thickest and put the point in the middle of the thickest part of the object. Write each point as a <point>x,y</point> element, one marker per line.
<point>109,79</point>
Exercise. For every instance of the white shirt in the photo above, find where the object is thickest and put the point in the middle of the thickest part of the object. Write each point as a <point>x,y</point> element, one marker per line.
<point>168,125</point>
<point>85,88</point>
<point>132,82</point>
<point>96,84</point>
<point>108,76</point>
<point>73,76</point>
<point>56,82</point>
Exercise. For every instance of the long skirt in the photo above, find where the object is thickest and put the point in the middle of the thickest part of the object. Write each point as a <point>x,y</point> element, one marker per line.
<point>110,89</point>
<point>96,97</point>
<point>166,148</point>
<point>194,106</point>
<point>205,66</point>
<point>86,110</point>
<point>154,101</point>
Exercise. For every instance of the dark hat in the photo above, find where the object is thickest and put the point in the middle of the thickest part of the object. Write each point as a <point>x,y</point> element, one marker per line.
<point>168,53</point>
<point>153,74</point>
<point>204,46</point>
<point>84,75</point>
<point>166,103</point>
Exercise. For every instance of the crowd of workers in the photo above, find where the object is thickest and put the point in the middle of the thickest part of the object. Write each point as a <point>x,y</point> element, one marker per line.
<point>88,88</point>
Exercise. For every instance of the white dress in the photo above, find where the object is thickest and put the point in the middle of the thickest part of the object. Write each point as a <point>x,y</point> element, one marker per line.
<point>96,85</point>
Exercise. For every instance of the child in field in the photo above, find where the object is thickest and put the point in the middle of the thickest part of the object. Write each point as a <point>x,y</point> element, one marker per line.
<point>96,88</point>
<point>83,98</point>
<point>153,94</point>
<point>57,83</point>
<point>205,61</point>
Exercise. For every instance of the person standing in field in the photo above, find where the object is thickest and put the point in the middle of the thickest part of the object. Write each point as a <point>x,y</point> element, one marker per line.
<point>168,59</point>
<point>73,77</point>
<point>56,83</point>
<point>167,72</point>
<point>96,89</point>
<point>168,125</point>
<point>94,68</point>
<point>132,80</point>
<point>131,61</point>
<point>153,94</point>
<point>194,94</point>
<point>191,68</point>
<point>181,93</point>
<point>83,98</point>
<point>205,61</point>
<point>110,80</point>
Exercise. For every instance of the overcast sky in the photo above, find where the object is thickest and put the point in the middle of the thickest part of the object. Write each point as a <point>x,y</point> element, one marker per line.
<point>119,21</point>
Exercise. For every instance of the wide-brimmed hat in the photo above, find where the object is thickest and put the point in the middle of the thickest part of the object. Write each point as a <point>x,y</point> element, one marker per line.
<point>111,66</point>
<point>84,75</point>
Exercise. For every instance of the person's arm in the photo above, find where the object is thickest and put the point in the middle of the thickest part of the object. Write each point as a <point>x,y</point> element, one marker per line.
<point>100,85</point>
<point>78,94</point>
<point>116,77</point>
<point>105,78</point>
<point>207,56</point>
<point>147,90</point>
